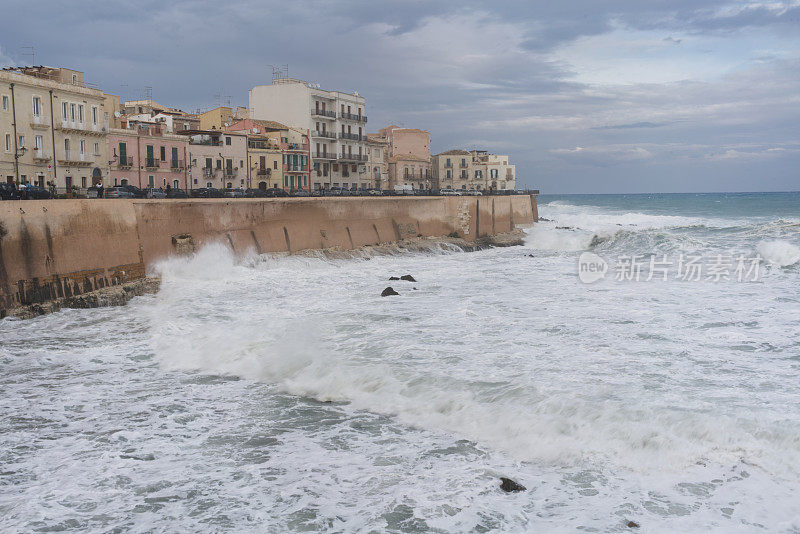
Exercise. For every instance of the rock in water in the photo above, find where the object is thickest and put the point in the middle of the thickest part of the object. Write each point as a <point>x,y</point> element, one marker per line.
<point>510,486</point>
<point>407,278</point>
<point>393,278</point>
<point>388,292</point>
<point>633,524</point>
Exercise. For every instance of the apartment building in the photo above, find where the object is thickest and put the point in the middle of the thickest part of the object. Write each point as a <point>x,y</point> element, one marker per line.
<point>409,155</point>
<point>144,154</point>
<point>54,128</point>
<point>472,170</point>
<point>377,161</point>
<point>294,150</point>
<point>216,159</point>
<point>335,121</point>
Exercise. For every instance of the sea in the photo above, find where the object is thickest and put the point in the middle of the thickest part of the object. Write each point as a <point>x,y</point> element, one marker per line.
<point>635,365</point>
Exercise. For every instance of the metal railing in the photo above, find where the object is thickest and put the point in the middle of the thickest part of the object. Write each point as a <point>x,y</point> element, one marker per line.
<point>352,136</point>
<point>324,133</point>
<point>352,157</point>
<point>176,164</point>
<point>353,117</point>
<point>323,113</point>
<point>325,155</point>
<point>125,162</point>
<point>151,163</point>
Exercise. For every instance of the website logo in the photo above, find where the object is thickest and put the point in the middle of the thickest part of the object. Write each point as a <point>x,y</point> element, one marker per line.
<point>591,267</point>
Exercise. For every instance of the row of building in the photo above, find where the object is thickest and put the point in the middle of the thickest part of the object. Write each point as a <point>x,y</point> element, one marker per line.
<point>59,130</point>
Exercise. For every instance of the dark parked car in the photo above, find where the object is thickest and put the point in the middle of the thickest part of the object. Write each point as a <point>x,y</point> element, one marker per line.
<point>300,193</point>
<point>176,193</point>
<point>33,192</point>
<point>156,192</point>
<point>207,192</point>
<point>135,191</point>
<point>255,193</point>
<point>276,192</point>
<point>118,192</point>
<point>233,192</point>
<point>8,192</point>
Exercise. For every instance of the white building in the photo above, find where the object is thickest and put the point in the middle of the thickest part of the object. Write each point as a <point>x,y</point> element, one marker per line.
<point>336,121</point>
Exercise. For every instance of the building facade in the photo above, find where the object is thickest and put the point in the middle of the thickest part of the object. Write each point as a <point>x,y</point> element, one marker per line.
<point>143,154</point>
<point>54,129</point>
<point>377,162</point>
<point>335,121</point>
<point>216,159</point>
<point>221,117</point>
<point>472,170</point>
<point>409,157</point>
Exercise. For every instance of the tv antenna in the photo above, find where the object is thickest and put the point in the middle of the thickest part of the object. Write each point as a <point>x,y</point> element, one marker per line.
<point>280,72</point>
<point>148,93</point>
<point>32,54</point>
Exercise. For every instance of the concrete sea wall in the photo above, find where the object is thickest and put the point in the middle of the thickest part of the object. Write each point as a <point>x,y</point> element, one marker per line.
<point>57,249</point>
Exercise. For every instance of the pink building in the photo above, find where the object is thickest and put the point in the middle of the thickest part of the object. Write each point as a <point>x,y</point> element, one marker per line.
<point>144,155</point>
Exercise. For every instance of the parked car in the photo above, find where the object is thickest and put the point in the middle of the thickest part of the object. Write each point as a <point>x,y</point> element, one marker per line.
<point>255,193</point>
<point>207,192</point>
<point>374,192</point>
<point>174,192</point>
<point>276,192</point>
<point>135,191</point>
<point>94,192</point>
<point>300,193</point>
<point>118,192</point>
<point>447,192</point>
<point>8,192</point>
<point>233,192</point>
<point>156,192</point>
<point>473,193</point>
<point>33,192</point>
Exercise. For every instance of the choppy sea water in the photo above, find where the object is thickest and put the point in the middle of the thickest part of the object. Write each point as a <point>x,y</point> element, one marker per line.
<point>284,394</point>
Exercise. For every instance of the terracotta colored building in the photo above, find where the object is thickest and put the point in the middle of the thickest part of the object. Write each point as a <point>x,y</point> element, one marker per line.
<point>144,155</point>
<point>409,157</point>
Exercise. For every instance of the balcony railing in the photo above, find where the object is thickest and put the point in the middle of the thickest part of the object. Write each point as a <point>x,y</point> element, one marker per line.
<point>41,155</point>
<point>323,113</point>
<point>353,117</point>
<point>208,172</point>
<point>352,157</point>
<point>262,171</point>
<point>352,136</point>
<point>325,155</point>
<point>176,164</point>
<point>324,133</point>
<point>125,162</point>
<point>295,168</point>
<point>294,146</point>
<point>152,163</point>
<point>40,122</point>
<point>228,171</point>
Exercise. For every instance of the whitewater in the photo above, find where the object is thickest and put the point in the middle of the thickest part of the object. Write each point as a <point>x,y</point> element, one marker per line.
<point>283,394</point>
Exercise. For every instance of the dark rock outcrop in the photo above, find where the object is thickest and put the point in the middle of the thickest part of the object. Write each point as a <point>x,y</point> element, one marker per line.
<point>388,292</point>
<point>394,278</point>
<point>632,524</point>
<point>509,486</point>
<point>407,278</point>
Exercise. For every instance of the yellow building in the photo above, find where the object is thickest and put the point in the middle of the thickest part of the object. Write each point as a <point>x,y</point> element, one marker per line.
<point>221,117</point>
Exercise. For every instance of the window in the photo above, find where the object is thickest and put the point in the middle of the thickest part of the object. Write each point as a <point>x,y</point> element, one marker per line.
<point>74,79</point>
<point>83,147</point>
<point>37,142</point>
<point>94,115</point>
<point>208,163</point>
<point>37,106</point>
<point>72,112</point>
<point>83,182</point>
<point>228,141</point>
<point>8,142</point>
<point>21,141</point>
<point>66,147</point>
<point>5,102</point>
<point>219,164</point>
<point>151,180</point>
<point>163,153</point>
<point>275,164</point>
<point>80,113</point>
<point>96,149</point>
<point>64,111</point>
<point>123,153</point>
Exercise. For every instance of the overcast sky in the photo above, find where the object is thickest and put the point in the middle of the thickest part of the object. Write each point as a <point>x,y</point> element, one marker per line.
<point>585,96</point>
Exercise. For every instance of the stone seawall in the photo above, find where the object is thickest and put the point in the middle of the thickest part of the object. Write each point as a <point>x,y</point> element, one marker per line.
<point>57,249</point>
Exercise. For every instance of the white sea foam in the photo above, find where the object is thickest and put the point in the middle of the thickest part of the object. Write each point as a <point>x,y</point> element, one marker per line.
<point>670,403</point>
<point>780,253</point>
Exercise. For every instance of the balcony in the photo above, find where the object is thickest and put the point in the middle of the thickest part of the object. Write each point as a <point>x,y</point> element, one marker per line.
<point>352,136</point>
<point>228,172</point>
<point>329,135</point>
<point>463,165</point>
<point>323,113</point>
<point>263,171</point>
<point>75,160</point>
<point>152,164</point>
<point>40,123</point>
<point>325,155</point>
<point>353,117</point>
<point>176,165</point>
<point>82,128</point>
<point>295,168</point>
<point>448,165</point>
<point>352,157</point>
<point>208,172</point>
<point>125,162</point>
<point>40,155</point>
<point>294,146</point>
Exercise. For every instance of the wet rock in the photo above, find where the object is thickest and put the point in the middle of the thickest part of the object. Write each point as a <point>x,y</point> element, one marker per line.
<point>394,278</point>
<point>509,486</point>
<point>388,292</point>
<point>564,228</point>
<point>407,278</point>
<point>545,220</point>
<point>632,524</point>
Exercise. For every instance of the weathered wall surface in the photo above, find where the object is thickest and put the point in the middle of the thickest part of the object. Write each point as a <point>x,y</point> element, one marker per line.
<point>58,248</point>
